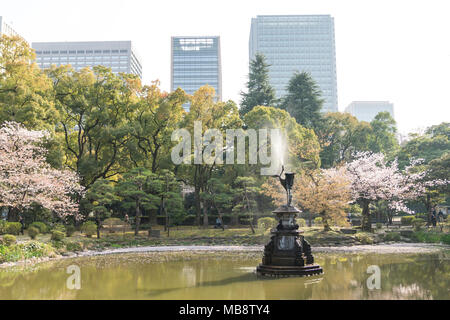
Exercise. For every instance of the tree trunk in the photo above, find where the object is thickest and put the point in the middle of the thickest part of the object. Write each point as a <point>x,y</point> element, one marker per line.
<point>326,224</point>
<point>251,226</point>
<point>365,223</point>
<point>198,210</point>
<point>97,220</point>
<point>205,215</point>
<point>138,218</point>
<point>13,215</point>
<point>429,209</point>
<point>234,218</point>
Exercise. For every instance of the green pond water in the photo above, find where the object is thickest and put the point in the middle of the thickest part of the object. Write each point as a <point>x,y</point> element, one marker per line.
<point>231,275</point>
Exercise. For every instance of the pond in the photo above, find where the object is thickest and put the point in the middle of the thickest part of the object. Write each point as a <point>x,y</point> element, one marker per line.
<point>229,275</point>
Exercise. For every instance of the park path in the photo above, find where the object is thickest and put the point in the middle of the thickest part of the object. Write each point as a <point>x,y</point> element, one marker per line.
<point>380,248</point>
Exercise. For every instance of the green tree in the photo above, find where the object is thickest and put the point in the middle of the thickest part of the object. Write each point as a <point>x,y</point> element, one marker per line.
<point>155,117</point>
<point>303,100</point>
<point>429,146</point>
<point>245,192</point>
<point>259,91</point>
<point>25,91</point>
<point>340,136</point>
<point>137,190</point>
<point>215,115</point>
<point>382,137</point>
<point>218,195</point>
<point>93,107</point>
<point>100,196</point>
<point>171,203</point>
<point>434,148</point>
<point>301,147</point>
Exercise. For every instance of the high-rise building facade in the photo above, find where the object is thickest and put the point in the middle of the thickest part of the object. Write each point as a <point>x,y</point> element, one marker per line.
<point>117,55</point>
<point>367,110</point>
<point>297,43</point>
<point>196,62</point>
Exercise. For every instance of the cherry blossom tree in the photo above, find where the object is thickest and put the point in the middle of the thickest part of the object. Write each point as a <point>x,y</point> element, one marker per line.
<point>326,193</point>
<point>323,192</point>
<point>373,178</point>
<point>26,178</point>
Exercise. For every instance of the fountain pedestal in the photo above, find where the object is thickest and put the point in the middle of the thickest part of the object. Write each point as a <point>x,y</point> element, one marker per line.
<point>287,253</point>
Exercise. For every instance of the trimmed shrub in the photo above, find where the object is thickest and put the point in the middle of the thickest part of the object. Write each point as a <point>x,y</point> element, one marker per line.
<point>3,226</point>
<point>267,223</point>
<point>59,227</point>
<point>9,240</point>
<point>318,221</point>
<point>57,235</point>
<point>445,238</point>
<point>392,236</point>
<point>41,226</point>
<point>13,228</point>
<point>89,228</point>
<point>70,230</point>
<point>364,238</point>
<point>33,232</point>
<point>301,222</point>
<point>379,225</point>
<point>418,223</point>
<point>74,246</point>
<point>431,237</point>
<point>32,249</point>
<point>111,224</point>
<point>407,220</point>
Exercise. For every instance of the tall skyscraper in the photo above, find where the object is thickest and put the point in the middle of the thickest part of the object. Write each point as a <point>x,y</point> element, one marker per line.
<point>7,29</point>
<point>117,55</point>
<point>196,62</point>
<point>367,110</point>
<point>300,43</point>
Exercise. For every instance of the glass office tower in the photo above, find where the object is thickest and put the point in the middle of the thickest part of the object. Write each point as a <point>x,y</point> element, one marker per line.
<point>196,62</point>
<point>117,55</point>
<point>300,43</point>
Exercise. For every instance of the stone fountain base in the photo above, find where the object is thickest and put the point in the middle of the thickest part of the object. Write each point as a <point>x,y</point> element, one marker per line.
<point>287,253</point>
<point>289,271</point>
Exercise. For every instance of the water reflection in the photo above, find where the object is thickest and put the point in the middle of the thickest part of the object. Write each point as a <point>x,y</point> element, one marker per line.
<point>229,276</point>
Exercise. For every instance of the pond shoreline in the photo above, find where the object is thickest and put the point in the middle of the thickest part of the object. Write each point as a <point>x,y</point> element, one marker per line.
<point>384,248</point>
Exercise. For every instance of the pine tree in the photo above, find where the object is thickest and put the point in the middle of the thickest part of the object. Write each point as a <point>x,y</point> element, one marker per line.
<point>303,100</point>
<point>260,92</point>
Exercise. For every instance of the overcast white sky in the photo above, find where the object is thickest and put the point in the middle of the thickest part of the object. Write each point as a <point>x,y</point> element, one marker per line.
<point>386,50</point>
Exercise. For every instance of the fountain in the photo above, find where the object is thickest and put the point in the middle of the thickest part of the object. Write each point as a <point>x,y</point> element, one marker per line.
<point>287,253</point>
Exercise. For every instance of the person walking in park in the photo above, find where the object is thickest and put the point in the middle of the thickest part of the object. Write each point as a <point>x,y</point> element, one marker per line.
<point>22,224</point>
<point>219,224</point>
<point>433,218</point>
<point>440,216</point>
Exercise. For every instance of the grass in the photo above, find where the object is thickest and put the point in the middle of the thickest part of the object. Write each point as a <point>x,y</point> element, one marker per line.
<point>431,237</point>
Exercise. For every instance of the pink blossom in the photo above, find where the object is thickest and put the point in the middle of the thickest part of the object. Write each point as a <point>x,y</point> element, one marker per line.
<point>26,178</point>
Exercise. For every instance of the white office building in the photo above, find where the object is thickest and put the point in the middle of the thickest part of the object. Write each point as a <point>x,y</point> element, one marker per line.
<point>117,55</point>
<point>367,110</point>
